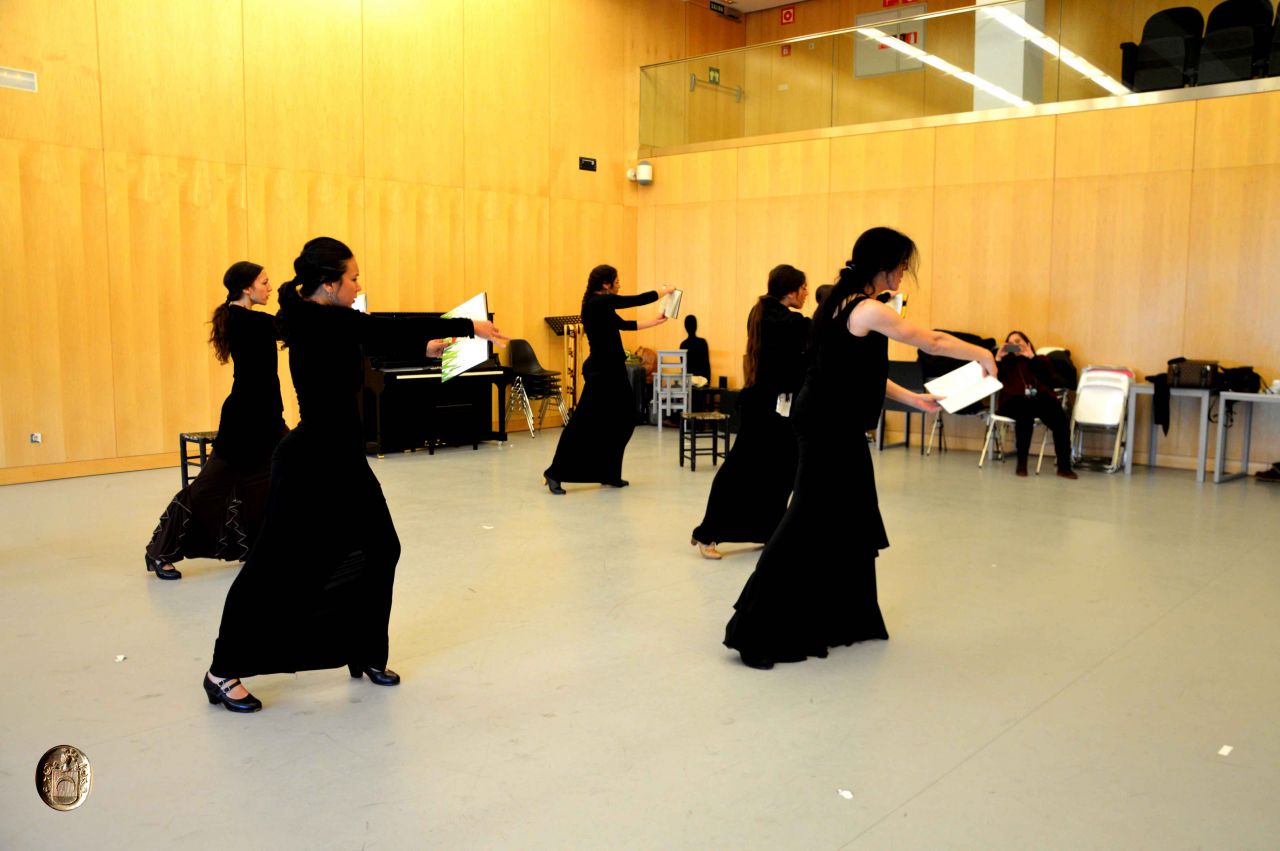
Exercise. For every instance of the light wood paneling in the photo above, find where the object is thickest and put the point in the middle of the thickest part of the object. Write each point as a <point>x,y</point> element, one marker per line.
<point>416,246</point>
<point>61,45</point>
<point>693,178</point>
<point>1238,131</point>
<point>174,227</point>
<point>413,91</point>
<point>776,171</point>
<point>303,101</point>
<point>172,78</point>
<point>707,32</point>
<point>911,212</point>
<point>992,257</point>
<point>996,152</point>
<point>655,33</point>
<point>789,91</point>
<point>699,255</point>
<point>507,245</point>
<point>813,16</point>
<point>287,208</point>
<point>1233,253</point>
<point>1126,141</point>
<point>1119,268</point>
<point>55,358</point>
<point>588,80</point>
<point>506,79</point>
<point>901,160</point>
<point>715,111</point>
<point>98,467</point>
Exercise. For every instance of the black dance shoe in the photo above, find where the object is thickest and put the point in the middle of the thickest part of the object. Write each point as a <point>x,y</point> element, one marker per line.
<point>554,486</point>
<point>218,693</point>
<point>760,664</point>
<point>160,570</point>
<point>378,678</point>
<point>616,483</point>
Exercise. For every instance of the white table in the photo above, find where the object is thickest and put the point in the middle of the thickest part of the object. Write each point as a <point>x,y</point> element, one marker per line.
<point>1248,400</point>
<point>1135,390</point>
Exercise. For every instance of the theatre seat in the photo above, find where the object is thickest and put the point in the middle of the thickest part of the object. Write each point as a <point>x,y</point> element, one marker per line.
<point>1166,56</point>
<point>1237,41</point>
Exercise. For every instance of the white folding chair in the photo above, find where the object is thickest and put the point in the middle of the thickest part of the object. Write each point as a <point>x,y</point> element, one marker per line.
<point>671,389</point>
<point>998,426</point>
<point>1102,400</point>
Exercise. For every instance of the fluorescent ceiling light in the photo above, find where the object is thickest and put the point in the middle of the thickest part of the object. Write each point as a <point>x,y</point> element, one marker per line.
<point>1056,50</point>
<point>942,65</point>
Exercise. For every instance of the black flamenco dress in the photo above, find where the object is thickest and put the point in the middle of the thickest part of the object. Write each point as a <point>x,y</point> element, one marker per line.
<point>814,586</point>
<point>316,590</point>
<point>749,494</point>
<point>220,513</point>
<point>592,444</point>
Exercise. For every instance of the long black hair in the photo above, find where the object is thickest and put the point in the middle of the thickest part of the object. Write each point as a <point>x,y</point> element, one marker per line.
<point>783,281</point>
<point>599,278</point>
<point>1030,345</point>
<point>877,250</point>
<point>239,276</point>
<point>323,261</point>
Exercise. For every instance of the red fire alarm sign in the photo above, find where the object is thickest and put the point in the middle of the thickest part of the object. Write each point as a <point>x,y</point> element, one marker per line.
<point>787,15</point>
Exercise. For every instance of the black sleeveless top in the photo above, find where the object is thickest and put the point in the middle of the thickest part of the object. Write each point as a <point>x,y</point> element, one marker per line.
<point>847,374</point>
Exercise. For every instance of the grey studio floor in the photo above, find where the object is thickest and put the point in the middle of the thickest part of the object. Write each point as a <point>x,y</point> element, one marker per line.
<point>1068,662</point>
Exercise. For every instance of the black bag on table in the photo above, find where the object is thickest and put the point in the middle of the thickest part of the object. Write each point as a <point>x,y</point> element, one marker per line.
<point>1195,373</point>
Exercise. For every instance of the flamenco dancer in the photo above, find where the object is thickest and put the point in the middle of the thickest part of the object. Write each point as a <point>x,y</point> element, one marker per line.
<point>814,586</point>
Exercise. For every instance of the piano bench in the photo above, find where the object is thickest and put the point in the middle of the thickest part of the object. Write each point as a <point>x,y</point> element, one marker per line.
<point>203,441</point>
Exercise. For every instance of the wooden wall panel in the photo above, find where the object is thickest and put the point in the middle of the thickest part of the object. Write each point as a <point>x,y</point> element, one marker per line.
<point>654,34</point>
<point>506,79</point>
<point>715,111</point>
<point>693,178</point>
<point>413,91</point>
<point>707,32</point>
<point>303,102</point>
<point>777,171</point>
<point>992,257</point>
<point>1126,141</point>
<point>791,91</point>
<point>1238,131</point>
<point>902,160</point>
<point>55,358</point>
<point>699,255</point>
<point>174,227</point>
<point>996,152</point>
<point>507,245</point>
<point>172,78</point>
<point>588,78</point>
<point>415,259</point>
<point>60,43</point>
<point>1119,268</point>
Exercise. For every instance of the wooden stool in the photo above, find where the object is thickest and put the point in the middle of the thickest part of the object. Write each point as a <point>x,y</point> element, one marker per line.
<point>695,427</point>
<point>203,440</point>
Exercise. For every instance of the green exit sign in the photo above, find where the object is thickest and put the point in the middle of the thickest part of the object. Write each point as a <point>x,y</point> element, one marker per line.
<point>713,76</point>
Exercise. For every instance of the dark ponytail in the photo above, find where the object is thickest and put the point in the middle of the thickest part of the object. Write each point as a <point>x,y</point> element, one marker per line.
<point>239,276</point>
<point>783,281</point>
<point>600,277</point>
<point>323,261</point>
<point>877,250</point>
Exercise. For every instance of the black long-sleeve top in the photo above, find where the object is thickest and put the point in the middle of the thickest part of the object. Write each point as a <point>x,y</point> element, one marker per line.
<point>784,334</point>
<point>1017,373</point>
<point>603,326</point>
<point>327,365</point>
<point>252,415</point>
<point>699,356</point>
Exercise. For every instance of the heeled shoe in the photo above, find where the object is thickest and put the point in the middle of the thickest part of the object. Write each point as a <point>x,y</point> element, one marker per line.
<point>553,486</point>
<point>160,570</point>
<point>757,662</point>
<point>616,483</point>
<point>707,550</point>
<point>386,677</point>
<point>1068,474</point>
<point>218,693</point>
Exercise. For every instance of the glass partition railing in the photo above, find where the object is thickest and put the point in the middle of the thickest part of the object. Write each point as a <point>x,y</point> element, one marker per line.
<point>903,63</point>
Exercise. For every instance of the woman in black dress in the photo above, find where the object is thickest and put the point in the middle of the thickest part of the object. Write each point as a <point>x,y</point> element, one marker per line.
<point>750,491</point>
<point>592,444</point>
<point>219,514</point>
<point>814,586</point>
<point>316,590</point>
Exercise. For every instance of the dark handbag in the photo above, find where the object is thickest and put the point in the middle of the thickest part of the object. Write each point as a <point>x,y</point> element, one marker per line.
<point>1241,379</point>
<point>1204,374</point>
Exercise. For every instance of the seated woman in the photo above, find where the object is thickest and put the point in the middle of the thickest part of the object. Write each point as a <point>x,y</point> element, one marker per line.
<point>1028,394</point>
<point>699,354</point>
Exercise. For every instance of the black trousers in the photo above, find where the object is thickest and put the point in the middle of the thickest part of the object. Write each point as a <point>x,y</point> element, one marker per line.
<point>1024,410</point>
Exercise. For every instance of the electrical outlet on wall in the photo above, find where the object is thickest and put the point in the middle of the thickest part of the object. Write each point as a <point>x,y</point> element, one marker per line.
<point>35,437</point>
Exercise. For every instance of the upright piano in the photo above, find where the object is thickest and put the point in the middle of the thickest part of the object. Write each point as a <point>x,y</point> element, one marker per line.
<point>406,405</point>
